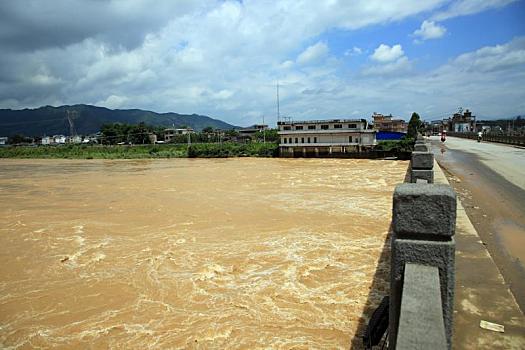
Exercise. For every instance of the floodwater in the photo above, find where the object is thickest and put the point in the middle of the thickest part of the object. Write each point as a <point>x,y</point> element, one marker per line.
<point>235,253</point>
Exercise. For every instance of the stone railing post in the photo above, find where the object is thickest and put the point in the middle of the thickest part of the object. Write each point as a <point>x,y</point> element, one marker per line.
<point>422,163</point>
<point>423,224</point>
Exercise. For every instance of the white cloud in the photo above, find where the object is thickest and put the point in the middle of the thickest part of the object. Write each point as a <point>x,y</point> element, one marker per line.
<point>494,58</point>
<point>113,101</point>
<point>287,64</point>
<point>313,53</point>
<point>469,7</point>
<point>430,30</point>
<point>400,66</point>
<point>385,53</point>
<point>354,51</point>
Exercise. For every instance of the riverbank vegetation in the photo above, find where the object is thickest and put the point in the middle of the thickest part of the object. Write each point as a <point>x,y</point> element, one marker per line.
<point>202,150</point>
<point>403,145</point>
<point>230,149</point>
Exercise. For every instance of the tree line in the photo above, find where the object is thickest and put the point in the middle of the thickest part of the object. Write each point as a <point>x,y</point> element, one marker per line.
<point>122,133</point>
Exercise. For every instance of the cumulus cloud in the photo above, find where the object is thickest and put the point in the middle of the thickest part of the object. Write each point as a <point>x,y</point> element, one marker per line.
<point>503,57</point>
<point>469,7</point>
<point>354,51</point>
<point>30,25</point>
<point>313,53</point>
<point>385,53</point>
<point>430,30</point>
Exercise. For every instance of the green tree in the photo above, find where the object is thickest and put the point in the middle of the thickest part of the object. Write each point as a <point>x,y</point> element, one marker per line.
<point>232,133</point>
<point>413,126</point>
<point>270,135</point>
<point>207,130</point>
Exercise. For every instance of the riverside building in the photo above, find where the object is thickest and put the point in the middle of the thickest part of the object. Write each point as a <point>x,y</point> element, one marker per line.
<point>312,138</point>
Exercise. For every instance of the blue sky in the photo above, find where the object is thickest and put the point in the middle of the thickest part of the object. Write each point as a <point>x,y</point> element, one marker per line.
<point>223,58</point>
<point>463,34</point>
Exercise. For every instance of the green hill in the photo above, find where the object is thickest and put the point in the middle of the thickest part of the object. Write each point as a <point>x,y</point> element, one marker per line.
<point>87,119</point>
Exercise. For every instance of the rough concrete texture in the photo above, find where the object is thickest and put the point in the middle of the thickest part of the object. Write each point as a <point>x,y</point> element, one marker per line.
<point>481,292</point>
<point>424,209</point>
<point>422,160</point>
<point>427,175</point>
<point>421,317</point>
<point>421,147</point>
<point>430,253</point>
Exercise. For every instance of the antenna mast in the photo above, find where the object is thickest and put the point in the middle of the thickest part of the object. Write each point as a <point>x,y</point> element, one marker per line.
<point>278,112</point>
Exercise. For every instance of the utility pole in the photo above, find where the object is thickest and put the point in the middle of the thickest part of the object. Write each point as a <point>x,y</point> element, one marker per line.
<point>71,115</point>
<point>264,131</point>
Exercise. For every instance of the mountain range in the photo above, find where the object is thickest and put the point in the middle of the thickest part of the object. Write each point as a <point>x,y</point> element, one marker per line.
<point>88,119</point>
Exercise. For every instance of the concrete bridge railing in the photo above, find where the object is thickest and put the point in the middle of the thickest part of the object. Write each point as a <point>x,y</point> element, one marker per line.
<point>492,137</point>
<point>422,259</point>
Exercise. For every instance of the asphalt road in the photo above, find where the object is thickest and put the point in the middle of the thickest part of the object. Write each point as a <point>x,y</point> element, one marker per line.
<point>489,179</point>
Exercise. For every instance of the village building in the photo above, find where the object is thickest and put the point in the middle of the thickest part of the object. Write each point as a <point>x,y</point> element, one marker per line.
<point>312,138</point>
<point>461,122</point>
<point>386,123</point>
<point>3,141</point>
<point>59,139</point>
<point>169,134</point>
<point>251,131</point>
<point>92,139</point>
<point>46,140</point>
<point>74,139</point>
<point>152,137</point>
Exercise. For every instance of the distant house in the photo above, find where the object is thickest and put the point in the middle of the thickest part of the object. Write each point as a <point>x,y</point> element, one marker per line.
<point>251,131</point>
<point>461,122</point>
<point>74,139</point>
<point>46,140</point>
<point>91,138</point>
<point>59,139</point>
<point>325,137</point>
<point>170,133</point>
<point>388,124</point>
<point>152,137</point>
<point>3,140</point>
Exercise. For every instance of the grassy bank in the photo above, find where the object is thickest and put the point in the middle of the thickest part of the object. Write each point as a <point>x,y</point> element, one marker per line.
<point>211,150</point>
<point>404,145</point>
<point>142,151</point>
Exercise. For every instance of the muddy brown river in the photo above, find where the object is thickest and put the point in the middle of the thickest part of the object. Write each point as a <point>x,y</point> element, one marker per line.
<point>236,253</point>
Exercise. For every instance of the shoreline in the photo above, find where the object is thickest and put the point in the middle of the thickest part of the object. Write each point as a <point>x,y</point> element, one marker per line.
<point>167,151</point>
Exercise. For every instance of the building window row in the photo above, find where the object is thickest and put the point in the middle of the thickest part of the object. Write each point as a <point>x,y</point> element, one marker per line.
<point>308,140</point>
<point>323,127</point>
<point>290,140</point>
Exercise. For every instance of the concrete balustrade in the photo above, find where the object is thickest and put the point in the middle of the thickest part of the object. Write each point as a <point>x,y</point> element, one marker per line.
<point>421,147</point>
<point>422,261</point>
<point>422,163</point>
<point>421,318</point>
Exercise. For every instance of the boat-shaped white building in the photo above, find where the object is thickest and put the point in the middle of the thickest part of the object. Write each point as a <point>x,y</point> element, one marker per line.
<point>311,138</point>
